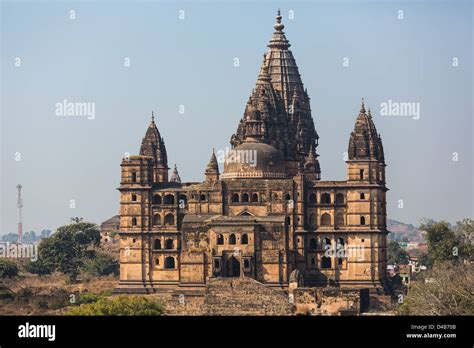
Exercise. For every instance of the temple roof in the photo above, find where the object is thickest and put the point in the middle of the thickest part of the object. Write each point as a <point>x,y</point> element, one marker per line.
<point>153,145</point>
<point>281,102</point>
<point>365,143</point>
<point>175,176</point>
<point>212,166</point>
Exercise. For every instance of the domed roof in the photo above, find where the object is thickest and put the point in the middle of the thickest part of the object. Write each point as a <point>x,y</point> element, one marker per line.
<point>254,160</point>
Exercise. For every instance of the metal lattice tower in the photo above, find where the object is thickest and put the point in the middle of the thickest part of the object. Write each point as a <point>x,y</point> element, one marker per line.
<point>19,205</point>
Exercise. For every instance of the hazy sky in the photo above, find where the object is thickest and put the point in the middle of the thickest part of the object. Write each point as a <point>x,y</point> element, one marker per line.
<point>422,55</point>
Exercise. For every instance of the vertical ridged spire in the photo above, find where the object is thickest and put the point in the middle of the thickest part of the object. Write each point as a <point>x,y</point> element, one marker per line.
<point>175,175</point>
<point>153,146</point>
<point>365,143</point>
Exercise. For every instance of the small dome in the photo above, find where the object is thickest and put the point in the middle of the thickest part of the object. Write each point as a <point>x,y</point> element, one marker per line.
<point>254,160</point>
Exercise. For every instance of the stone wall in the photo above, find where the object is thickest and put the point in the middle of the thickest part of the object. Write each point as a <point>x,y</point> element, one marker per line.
<point>229,297</point>
<point>330,301</point>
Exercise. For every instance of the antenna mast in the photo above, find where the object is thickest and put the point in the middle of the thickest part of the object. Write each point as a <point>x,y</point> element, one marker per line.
<point>19,205</point>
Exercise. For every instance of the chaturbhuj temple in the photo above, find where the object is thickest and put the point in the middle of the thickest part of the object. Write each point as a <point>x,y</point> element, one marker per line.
<point>266,214</point>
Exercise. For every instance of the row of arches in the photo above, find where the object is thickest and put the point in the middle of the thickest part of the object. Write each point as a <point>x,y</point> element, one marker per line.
<point>254,197</point>
<point>245,198</point>
<point>169,244</point>
<point>170,262</point>
<point>168,199</point>
<point>326,243</point>
<point>326,220</point>
<point>232,240</point>
<point>169,220</point>
<point>326,198</point>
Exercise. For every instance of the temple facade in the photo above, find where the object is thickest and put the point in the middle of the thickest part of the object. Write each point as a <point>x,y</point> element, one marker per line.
<point>268,215</point>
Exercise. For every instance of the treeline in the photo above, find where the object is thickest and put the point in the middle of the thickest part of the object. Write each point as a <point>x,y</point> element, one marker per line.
<point>72,249</point>
<point>28,237</point>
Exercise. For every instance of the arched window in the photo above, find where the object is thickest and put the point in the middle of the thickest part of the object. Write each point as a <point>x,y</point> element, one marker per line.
<point>157,244</point>
<point>169,244</point>
<point>313,245</point>
<point>134,176</point>
<point>287,197</point>
<point>169,199</point>
<point>325,219</point>
<point>313,262</point>
<point>361,174</point>
<point>312,198</point>
<point>339,220</point>
<point>169,262</point>
<point>220,239</point>
<point>340,198</point>
<point>362,195</point>
<point>134,221</point>
<point>362,220</point>
<point>325,262</point>
<point>288,221</point>
<point>157,219</point>
<point>312,220</point>
<point>235,197</point>
<point>202,197</point>
<point>169,219</point>
<point>254,197</point>
<point>326,198</point>
<point>232,239</point>
<point>245,198</point>
<point>326,243</point>
<point>245,239</point>
<point>156,199</point>
<point>340,243</point>
<point>134,197</point>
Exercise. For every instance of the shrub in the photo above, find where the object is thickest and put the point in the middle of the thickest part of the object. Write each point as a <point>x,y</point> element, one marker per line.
<point>37,267</point>
<point>8,269</point>
<point>102,265</point>
<point>121,305</point>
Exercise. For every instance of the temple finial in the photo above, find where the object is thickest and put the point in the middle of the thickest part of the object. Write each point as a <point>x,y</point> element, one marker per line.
<point>152,117</point>
<point>362,107</point>
<point>278,26</point>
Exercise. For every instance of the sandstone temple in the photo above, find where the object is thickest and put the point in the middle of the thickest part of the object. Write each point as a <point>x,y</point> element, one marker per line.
<point>265,214</point>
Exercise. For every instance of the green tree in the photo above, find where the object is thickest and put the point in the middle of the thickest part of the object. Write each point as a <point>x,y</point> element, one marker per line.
<point>396,254</point>
<point>121,305</point>
<point>67,249</point>
<point>8,269</point>
<point>101,265</point>
<point>443,243</point>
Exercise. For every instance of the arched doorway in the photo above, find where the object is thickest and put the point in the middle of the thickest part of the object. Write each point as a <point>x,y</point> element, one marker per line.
<point>233,267</point>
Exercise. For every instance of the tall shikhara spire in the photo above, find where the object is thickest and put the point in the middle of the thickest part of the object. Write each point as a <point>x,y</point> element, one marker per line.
<point>282,103</point>
<point>153,145</point>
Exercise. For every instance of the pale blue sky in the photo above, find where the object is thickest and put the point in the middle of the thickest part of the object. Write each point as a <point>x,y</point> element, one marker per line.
<point>190,62</point>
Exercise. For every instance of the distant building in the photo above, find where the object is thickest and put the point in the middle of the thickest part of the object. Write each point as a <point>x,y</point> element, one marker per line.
<point>107,227</point>
<point>405,274</point>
